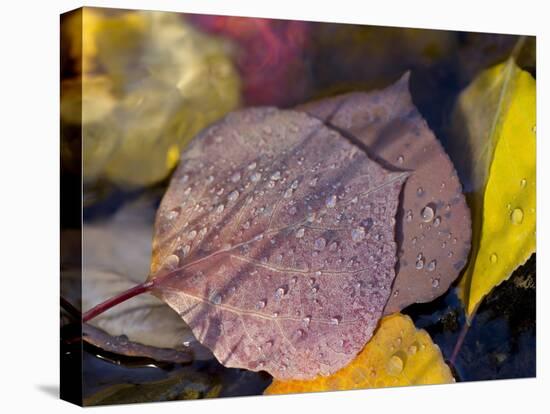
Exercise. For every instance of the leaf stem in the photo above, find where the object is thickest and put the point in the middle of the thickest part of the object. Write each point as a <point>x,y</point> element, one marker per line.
<point>115,300</point>
<point>462,336</point>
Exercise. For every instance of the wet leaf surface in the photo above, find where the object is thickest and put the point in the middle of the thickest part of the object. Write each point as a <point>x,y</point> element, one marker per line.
<point>433,221</point>
<point>494,123</point>
<point>397,355</point>
<point>275,243</point>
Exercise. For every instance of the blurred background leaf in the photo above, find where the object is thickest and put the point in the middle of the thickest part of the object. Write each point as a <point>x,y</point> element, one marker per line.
<point>147,82</point>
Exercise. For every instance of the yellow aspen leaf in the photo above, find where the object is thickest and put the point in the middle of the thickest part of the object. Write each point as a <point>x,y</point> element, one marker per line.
<point>495,117</point>
<point>398,354</point>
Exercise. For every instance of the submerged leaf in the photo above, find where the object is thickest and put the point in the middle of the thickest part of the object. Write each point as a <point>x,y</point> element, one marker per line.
<point>397,355</point>
<point>433,221</point>
<point>275,243</point>
<point>494,123</point>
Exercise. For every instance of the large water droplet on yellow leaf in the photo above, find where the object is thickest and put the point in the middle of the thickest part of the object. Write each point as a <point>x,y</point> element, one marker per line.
<point>397,355</point>
<point>493,122</point>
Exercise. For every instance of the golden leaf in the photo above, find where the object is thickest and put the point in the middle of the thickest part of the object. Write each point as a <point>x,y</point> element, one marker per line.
<point>397,355</point>
<point>496,117</point>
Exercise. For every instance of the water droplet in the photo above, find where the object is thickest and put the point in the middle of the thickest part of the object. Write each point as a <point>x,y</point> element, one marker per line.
<point>443,245</point>
<point>313,181</point>
<point>275,314</point>
<point>233,195</point>
<point>261,304</point>
<point>320,244</point>
<point>400,159</point>
<point>523,183</point>
<point>409,215</point>
<point>395,365</point>
<point>172,214</point>
<point>276,176</point>
<point>258,237</point>
<point>431,266</point>
<point>171,262</point>
<point>252,165</point>
<point>220,208</point>
<point>493,258</point>
<point>435,282</point>
<point>420,263</point>
<point>331,201</point>
<point>300,233</point>
<point>517,216</point>
<point>419,191</point>
<point>437,221</point>
<point>427,214</point>
<point>288,193</point>
<point>217,299</point>
<point>255,177</point>
<point>396,293</point>
<point>358,233</point>
<point>280,292</point>
<point>185,249</point>
<point>335,320</point>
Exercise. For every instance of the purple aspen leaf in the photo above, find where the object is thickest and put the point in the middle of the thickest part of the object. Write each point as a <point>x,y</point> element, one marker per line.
<point>275,243</point>
<point>433,230</point>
